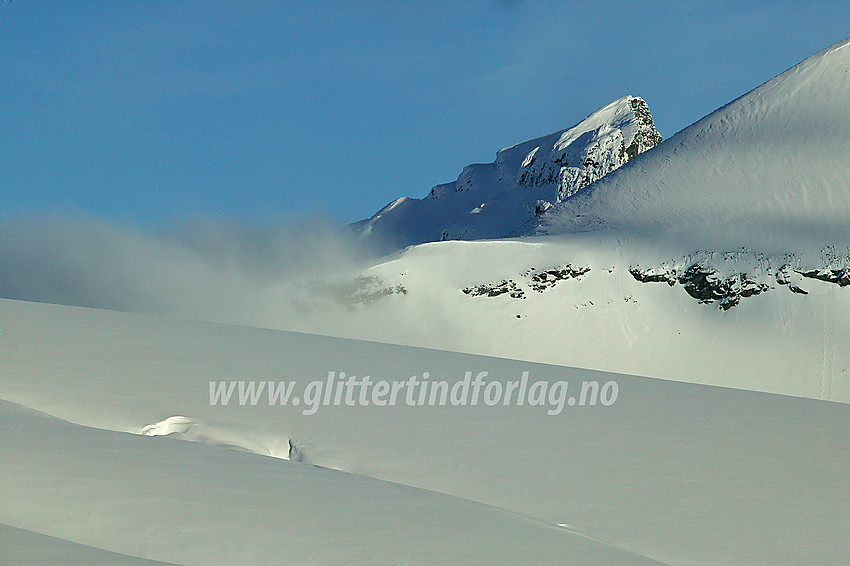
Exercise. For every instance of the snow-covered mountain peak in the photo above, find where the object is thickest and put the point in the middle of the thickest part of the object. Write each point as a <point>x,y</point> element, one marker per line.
<point>771,167</point>
<point>604,141</point>
<point>496,199</point>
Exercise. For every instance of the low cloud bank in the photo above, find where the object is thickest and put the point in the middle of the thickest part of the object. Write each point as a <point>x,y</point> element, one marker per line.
<point>200,268</point>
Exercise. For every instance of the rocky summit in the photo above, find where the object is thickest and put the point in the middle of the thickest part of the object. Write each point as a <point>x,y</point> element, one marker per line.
<point>495,200</point>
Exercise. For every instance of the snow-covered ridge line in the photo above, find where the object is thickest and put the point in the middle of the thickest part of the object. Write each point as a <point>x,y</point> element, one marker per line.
<point>606,140</point>
<point>493,200</point>
<point>769,168</point>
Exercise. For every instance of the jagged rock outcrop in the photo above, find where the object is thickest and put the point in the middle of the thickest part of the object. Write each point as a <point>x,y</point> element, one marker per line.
<point>706,284</point>
<point>717,278</point>
<point>538,280</point>
<point>584,155</point>
<point>838,276</point>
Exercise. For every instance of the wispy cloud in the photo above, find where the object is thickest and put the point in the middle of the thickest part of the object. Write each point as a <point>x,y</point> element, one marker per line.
<point>201,268</point>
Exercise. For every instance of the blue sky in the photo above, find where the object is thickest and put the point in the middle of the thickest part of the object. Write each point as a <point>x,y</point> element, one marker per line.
<point>154,111</point>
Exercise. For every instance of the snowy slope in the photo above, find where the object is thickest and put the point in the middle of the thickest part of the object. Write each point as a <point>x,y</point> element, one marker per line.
<point>195,504</point>
<point>680,473</point>
<point>495,199</point>
<point>768,328</point>
<point>26,548</point>
<point>770,168</point>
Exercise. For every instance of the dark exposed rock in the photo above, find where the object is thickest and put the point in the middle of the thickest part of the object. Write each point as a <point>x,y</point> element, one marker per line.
<point>654,276</point>
<point>548,278</point>
<point>702,283</point>
<point>495,289</point>
<point>840,277</point>
<point>785,275</point>
<point>647,136</point>
<point>705,284</point>
<point>538,279</point>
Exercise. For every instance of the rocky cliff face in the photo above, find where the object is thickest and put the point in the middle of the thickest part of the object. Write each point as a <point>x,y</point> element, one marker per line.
<point>581,157</point>
<point>493,200</point>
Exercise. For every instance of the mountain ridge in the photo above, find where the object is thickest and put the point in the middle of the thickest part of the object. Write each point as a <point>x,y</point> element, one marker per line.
<point>493,200</point>
<point>769,166</point>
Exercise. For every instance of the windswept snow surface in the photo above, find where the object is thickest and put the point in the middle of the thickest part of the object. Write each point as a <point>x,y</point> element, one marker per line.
<point>194,504</point>
<point>673,472</point>
<point>26,548</point>
<point>768,169</point>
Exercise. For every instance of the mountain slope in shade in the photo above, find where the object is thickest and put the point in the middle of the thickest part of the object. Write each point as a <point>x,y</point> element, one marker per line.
<point>771,167</point>
<point>26,548</point>
<point>495,199</point>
